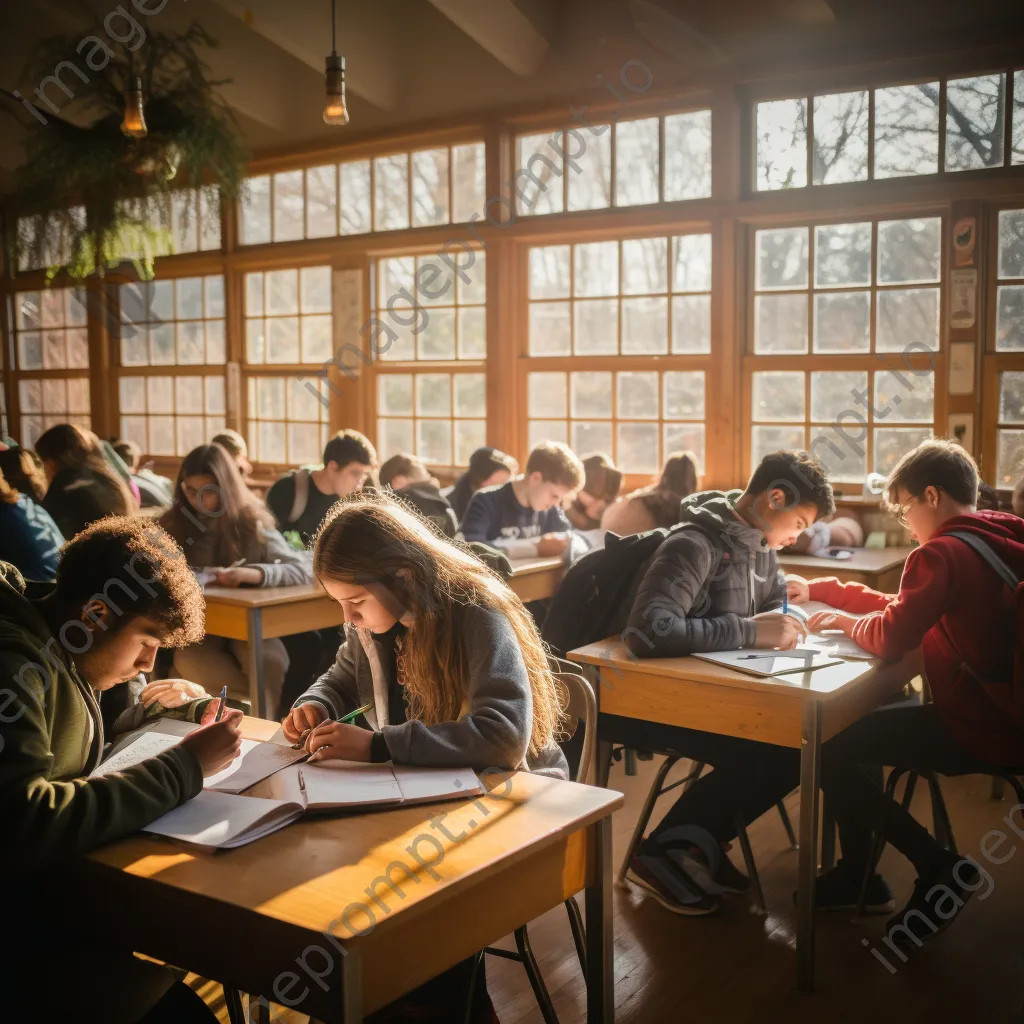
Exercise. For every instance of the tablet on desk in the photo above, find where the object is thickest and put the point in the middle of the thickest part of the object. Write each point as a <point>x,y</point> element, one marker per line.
<point>772,663</point>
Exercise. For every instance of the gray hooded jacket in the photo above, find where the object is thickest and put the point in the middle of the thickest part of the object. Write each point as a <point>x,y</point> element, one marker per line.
<point>705,584</point>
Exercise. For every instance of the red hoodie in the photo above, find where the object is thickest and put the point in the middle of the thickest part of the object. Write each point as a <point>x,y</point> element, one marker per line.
<point>953,605</point>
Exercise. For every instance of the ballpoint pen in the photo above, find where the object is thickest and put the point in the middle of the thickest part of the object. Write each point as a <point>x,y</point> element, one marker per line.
<point>223,699</point>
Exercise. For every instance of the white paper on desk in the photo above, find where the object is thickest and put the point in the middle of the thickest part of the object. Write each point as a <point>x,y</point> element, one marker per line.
<point>142,747</point>
<point>345,784</point>
<point>419,785</point>
<point>835,644</point>
<point>257,761</point>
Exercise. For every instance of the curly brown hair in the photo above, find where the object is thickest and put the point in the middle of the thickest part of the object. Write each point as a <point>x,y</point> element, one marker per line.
<point>103,562</point>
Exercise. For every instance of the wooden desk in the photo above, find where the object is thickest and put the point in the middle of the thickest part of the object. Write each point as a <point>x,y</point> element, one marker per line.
<point>880,570</point>
<point>253,613</point>
<point>534,579</point>
<point>337,916</point>
<point>799,710</point>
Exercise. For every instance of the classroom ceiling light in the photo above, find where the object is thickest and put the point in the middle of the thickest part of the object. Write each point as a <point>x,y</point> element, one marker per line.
<point>335,111</point>
<point>133,124</point>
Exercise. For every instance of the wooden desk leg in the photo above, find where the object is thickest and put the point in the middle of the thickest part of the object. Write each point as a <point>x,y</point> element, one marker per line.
<point>807,869</point>
<point>600,938</point>
<point>257,693</point>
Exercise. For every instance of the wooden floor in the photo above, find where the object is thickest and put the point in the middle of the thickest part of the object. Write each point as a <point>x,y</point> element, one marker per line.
<point>739,966</point>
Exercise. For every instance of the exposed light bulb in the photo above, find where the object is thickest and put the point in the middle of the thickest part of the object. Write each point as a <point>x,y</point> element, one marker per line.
<point>134,122</point>
<point>335,111</point>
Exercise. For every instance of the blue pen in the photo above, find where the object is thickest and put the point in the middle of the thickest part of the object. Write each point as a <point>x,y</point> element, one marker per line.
<point>785,603</point>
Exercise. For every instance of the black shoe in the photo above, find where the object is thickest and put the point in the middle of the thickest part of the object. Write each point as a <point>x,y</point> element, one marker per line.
<point>668,884</point>
<point>839,889</point>
<point>937,898</point>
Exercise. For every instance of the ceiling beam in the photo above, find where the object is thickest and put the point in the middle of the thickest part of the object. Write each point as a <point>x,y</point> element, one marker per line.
<point>366,35</point>
<point>502,30</point>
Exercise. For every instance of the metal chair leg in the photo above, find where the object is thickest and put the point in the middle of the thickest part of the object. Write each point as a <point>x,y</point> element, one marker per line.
<point>478,960</point>
<point>579,936</point>
<point>644,818</point>
<point>540,990</point>
<point>828,835</point>
<point>942,826</point>
<point>751,865</point>
<point>233,1002</point>
<point>787,825</point>
<point>908,791</point>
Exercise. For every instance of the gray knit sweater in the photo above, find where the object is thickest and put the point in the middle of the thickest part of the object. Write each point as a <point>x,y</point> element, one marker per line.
<point>494,729</point>
<point>282,565</point>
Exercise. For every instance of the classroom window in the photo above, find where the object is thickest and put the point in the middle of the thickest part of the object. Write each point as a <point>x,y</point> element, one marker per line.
<point>1017,124</point>
<point>439,185</point>
<point>641,296</point>
<point>51,360</point>
<point>863,299</point>
<point>3,406</point>
<point>288,316</point>
<point>170,415</point>
<point>1010,283</point>
<point>287,419</point>
<point>629,163</point>
<point>1010,452</point>
<point>54,248</point>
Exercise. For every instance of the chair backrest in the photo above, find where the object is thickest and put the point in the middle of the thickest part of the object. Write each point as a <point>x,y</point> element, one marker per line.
<point>582,706</point>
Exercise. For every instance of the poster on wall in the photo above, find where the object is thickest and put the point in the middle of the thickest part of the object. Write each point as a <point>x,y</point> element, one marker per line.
<point>963,298</point>
<point>961,368</point>
<point>964,232</point>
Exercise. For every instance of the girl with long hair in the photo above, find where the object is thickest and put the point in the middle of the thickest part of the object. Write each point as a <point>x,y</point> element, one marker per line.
<point>658,504</point>
<point>82,487</point>
<point>443,650</point>
<point>225,530</point>
<point>29,538</point>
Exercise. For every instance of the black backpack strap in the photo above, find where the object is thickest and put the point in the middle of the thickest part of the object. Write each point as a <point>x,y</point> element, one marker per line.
<point>1006,574</point>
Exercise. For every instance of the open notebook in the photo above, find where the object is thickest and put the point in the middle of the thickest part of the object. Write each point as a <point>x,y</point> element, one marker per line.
<point>772,663</point>
<point>834,644</point>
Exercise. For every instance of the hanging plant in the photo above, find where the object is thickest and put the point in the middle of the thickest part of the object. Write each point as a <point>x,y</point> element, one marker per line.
<point>87,198</point>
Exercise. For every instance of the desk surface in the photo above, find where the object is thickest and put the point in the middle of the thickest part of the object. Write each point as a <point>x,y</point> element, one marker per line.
<point>529,566</point>
<point>818,684</point>
<point>264,597</point>
<point>863,560</point>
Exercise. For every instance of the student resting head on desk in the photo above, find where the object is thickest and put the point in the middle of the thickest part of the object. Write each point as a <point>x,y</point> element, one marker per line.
<point>64,650</point>
<point>715,585</point>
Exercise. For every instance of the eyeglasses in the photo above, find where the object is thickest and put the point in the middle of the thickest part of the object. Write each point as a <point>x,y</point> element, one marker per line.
<point>901,513</point>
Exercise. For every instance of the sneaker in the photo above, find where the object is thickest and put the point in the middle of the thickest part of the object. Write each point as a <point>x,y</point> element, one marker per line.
<point>669,885</point>
<point>701,858</point>
<point>839,889</point>
<point>937,898</point>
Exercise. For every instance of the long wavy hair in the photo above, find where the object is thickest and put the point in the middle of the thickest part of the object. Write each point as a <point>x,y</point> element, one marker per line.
<point>236,526</point>
<point>23,473</point>
<point>373,539</point>
<point>72,447</point>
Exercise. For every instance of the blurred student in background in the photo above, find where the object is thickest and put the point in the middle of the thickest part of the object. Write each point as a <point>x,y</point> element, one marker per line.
<point>488,467</point>
<point>601,485</point>
<point>29,538</point>
<point>234,444</point>
<point>657,505</point>
<point>155,491</point>
<point>410,480</point>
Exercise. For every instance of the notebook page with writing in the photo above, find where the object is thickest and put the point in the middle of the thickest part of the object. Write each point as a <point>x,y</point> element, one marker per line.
<point>337,784</point>
<point>420,785</point>
<point>834,643</point>
<point>139,748</point>
<point>224,820</point>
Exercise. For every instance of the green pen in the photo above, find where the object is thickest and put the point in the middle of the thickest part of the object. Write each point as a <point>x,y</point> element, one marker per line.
<point>344,720</point>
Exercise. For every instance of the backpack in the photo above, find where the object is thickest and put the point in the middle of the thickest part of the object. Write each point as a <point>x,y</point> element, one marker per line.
<point>1009,577</point>
<point>301,500</point>
<point>595,588</point>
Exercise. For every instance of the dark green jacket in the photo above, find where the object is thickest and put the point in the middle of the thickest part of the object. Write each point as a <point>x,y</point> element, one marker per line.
<point>51,738</point>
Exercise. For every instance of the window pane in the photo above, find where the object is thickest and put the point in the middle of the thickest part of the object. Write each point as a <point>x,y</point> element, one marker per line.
<point>160,394</point>
<point>766,440</point>
<point>77,339</point>
<point>437,339</point>
<point>547,394</point>
<point>591,437</point>
<point>1010,458</point>
<point>892,443</point>
<point>780,324</point>
<point>591,394</point>
<point>188,298</point>
<point>840,150</point>
<point>253,294</point>
<point>908,319</point>
<point>315,290</point>
<point>637,450</point>
<point>430,187</point>
<point>1017,141</point>
<point>685,437</point>
<point>644,266</point>
<point>777,397</point>
<point>596,323</point>
<point>550,333</point>
<point>470,394</point>
<point>1010,318</point>
<point>435,281</point>
<point>834,392</point>
<point>355,197</point>
<point>185,221</point>
<point>907,130</point>
<point>209,218</point>
<point>637,395</point>
<point>394,393</point>
<point>434,441</point>
<point>538,177</point>
<point>269,398</point>
<point>843,462</point>
<point>161,345</point>
<point>974,122</point>
<point>1011,243</point>
<point>547,430</point>
<point>271,445</point>
<point>472,333</point>
<point>688,156</point>
<point>683,395</point>
<point>468,188</point>
<point>304,443</point>
<point>842,322</point>
<point>469,435</point>
<point>904,397</point>
<point>782,144</point>
<point>842,255</point>
<point>549,272</point>
<point>213,303</point>
<point>256,211</point>
<point>283,340</point>
<point>255,341</point>
<point>1011,397</point>
<point>321,201</point>
<point>54,351</point>
<point>391,192</point>
<point>637,162</point>
<point>433,394</point>
<point>191,346</point>
<point>782,258</point>
<point>474,265</point>
<point>590,188</point>
<point>909,251</point>
<point>394,436</point>
<point>691,323</point>
<point>288,206</point>
<point>597,269</point>
<point>691,263</point>
<point>282,292</point>
<point>645,326</point>
<point>316,339</point>
<point>30,351</point>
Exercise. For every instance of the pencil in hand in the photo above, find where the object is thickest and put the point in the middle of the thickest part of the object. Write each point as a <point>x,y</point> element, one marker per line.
<point>223,701</point>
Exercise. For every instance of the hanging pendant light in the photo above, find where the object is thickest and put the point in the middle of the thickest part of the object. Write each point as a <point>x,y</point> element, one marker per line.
<point>134,122</point>
<point>335,111</point>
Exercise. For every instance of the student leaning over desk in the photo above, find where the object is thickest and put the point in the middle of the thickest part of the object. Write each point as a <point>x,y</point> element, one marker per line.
<point>60,653</point>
